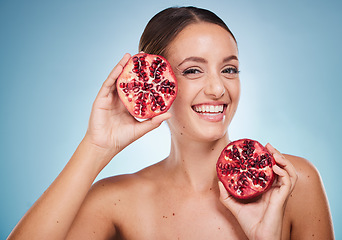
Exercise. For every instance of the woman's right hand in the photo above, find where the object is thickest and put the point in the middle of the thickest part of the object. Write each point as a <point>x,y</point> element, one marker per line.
<point>111,127</point>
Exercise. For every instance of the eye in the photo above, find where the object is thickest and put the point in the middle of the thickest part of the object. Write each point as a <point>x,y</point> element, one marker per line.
<point>231,72</point>
<point>191,71</point>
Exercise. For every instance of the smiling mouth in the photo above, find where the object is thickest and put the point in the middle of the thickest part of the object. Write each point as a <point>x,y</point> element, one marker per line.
<point>208,109</point>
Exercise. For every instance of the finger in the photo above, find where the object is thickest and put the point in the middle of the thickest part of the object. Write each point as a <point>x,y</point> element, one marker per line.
<point>283,188</point>
<point>282,161</point>
<point>107,86</point>
<point>148,125</point>
<point>272,149</point>
<point>160,118</point>
<point>223,191</point>
<point>286,172</point>
<point>285,164</point>
<point>283,176</point>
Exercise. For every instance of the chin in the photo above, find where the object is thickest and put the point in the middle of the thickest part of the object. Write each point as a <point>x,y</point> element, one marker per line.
<point>212,135</point>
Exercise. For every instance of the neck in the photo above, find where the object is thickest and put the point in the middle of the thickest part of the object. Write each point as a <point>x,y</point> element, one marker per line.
<point>194,162</point>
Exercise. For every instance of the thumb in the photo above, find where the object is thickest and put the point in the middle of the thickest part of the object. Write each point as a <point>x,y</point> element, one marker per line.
<point>150,124</point>
<point>228,200</point>
<point>223,192</point>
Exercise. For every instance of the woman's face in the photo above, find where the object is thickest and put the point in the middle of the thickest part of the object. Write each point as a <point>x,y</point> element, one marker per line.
<point>204,58</point>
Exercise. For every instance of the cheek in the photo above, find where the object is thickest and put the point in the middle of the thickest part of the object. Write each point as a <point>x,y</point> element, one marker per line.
<point>185,95</point>
<point>181,107</point>
<point>234,91</point>
<point>180,102</point>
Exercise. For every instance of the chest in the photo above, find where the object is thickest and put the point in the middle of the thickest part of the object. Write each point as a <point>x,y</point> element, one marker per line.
<point>178,217</point>
<point>167,214</point>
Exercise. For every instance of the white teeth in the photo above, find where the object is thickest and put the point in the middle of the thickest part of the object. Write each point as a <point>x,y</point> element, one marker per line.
<point>209,108</point>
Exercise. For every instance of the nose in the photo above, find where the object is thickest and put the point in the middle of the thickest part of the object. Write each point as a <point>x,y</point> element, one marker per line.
<point>214,87</point>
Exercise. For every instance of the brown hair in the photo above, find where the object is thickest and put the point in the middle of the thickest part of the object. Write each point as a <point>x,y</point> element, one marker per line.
<point>165,26</point>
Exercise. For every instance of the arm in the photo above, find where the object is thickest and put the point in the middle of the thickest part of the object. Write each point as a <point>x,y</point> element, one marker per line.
<point>52,214</point>
<point>111,128</point>
<point>311,217</point>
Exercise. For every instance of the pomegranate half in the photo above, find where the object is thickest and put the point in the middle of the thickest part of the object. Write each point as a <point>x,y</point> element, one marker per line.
<point>147,85</point>
<point>245,168</point>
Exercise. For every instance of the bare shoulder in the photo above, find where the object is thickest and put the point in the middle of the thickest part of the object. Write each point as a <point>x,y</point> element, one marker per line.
<point>123,190</point>
<point>306,171</point>
<point>134,181</point>
<point>308,207</point>
<point>110,203</point>
<point>309,180</point>
<point>309,183</point>
<point>120,186</point>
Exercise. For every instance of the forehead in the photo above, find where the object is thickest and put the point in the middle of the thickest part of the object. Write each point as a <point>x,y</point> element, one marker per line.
<point>202,38</point>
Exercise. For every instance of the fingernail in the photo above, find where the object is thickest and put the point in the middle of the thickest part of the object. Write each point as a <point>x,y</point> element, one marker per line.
<point>270,145</point>
<point>273,149</point>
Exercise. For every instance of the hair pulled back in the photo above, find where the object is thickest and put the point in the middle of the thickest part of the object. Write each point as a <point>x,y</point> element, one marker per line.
<point>165,25</point>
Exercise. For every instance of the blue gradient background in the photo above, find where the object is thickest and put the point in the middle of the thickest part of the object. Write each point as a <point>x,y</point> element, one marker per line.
<point>55,55</point>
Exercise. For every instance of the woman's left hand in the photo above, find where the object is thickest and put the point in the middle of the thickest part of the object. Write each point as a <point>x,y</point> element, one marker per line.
<point>263,218</point>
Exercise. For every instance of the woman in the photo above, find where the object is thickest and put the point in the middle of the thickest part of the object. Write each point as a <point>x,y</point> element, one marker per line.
<point>179,197</point>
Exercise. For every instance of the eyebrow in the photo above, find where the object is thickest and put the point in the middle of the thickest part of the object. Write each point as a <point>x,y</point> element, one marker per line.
<point>193,59</point>
<point>232,57</point>
<point>202,60</point>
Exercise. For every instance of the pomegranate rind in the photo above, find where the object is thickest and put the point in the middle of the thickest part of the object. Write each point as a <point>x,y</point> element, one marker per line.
<point>245,168</point>
<point>144,94</point>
